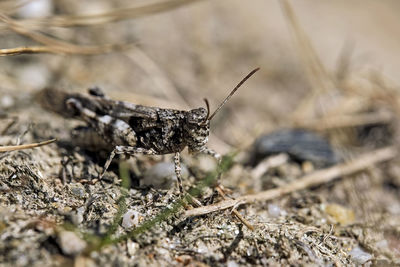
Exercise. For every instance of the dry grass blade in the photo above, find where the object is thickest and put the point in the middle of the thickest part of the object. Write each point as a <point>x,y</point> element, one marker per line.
<point>27,146</point>
<point>316,178</point>
<point>9,125</point>
<point>9,6</point>
<point>157,75</point>
<point>111,16</point>
<point>26,50</point>
<point>54,45</point>
<point>319,78</point>
<point>345,121</point>
<point>76,49</point>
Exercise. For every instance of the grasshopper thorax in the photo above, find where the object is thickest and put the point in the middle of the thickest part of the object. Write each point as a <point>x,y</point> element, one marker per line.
<point>197,129</point>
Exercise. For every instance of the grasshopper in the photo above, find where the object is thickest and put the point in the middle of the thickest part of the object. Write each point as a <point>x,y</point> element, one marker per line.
<point>131,129</point>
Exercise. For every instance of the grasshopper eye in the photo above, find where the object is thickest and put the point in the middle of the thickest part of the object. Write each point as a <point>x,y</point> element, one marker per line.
<point>196,116</point>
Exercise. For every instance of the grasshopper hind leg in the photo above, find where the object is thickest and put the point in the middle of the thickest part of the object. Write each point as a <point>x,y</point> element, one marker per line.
<point>89,139</point>
<point>113,130</point>
<point>96,91</point>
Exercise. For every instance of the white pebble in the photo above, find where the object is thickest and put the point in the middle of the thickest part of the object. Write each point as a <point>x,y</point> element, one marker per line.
<point>202,248</point>
<point>360,256</point>
<point>231,264</point>
<point>132,247</point>
<point>275,211</point>
<point>36,9</point>
<point>70,243</point>
<point>77,216</point>
<point>162,176</point>
<point>7,102</point>
<point>130,219</point>
<point>383,244</point>
<point>33,76</point>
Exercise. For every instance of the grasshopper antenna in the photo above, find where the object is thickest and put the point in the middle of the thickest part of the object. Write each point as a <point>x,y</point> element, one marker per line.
<point>231,93</point>
<point>208,110</point>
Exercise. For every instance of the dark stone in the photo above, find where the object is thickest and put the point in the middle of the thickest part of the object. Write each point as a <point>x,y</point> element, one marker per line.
<point>301,145</point>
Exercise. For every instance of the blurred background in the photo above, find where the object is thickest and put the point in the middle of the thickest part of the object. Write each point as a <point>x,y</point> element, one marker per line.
<point>318,59</point>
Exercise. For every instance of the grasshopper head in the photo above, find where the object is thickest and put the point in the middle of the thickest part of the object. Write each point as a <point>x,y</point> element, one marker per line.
<point>197,124</point>
<point>197,129</point>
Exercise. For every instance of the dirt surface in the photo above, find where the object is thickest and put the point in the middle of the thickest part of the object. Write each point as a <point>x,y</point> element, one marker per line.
<point>53,214</point>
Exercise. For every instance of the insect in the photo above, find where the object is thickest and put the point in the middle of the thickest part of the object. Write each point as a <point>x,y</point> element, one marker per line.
<point>132,129</point>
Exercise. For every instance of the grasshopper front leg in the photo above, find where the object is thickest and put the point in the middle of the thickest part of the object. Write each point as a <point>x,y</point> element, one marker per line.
<point>137,150</point>
<point>217,157</point>
<point>128,150</point>
<point>178,169</point>
<point>212,153</point>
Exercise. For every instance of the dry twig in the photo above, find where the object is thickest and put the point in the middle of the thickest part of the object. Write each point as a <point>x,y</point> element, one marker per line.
<point>234,210</point>
<point>266,164</point>
<point>27,146</point>
<point>316,178</point>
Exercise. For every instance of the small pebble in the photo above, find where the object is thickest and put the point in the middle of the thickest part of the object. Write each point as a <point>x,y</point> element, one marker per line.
<point>70,243</point>
<point>359,256</point>
<point>84,261</point>
<point>184,259</point>
<point>33,76</point>
<point>383,244</point>
<point>202,248</point>
<point>77,216</point>
<point>132,247</point>
<point>130,219</point>
<point>162,176</point>
<point>250,251</point>
<point>341,214</point>
<point>149,197</point>
<point>6,102</point>
<point>275,211</point>
<point>78,190</point>
<point>232,264</point>
<point>4,187</point>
